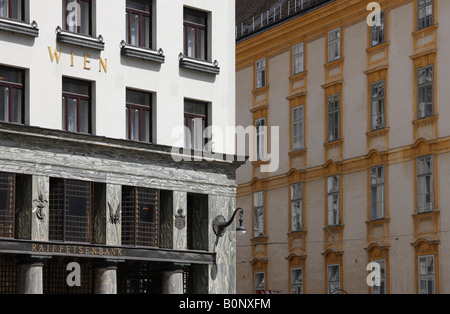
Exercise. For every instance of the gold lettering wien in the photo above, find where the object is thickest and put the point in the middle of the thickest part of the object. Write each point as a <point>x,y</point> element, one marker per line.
<point>85,62</point>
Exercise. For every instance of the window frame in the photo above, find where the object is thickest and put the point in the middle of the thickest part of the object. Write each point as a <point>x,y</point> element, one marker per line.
<point>420,175</point>
<point>197,27</point>
<point>331,193</point>
<point>14,86</point>
<point>199,138</point>
<point>7,215</point>
<point>141,108</point>
<point>258,212</point>
<point>79,98</point>
<point>379,183</point>
<point>427,276</point>
<point>293,201</point>
<point>330,283</point>
<point>10,9</point>
<point>297,287</point>
<point>427,20</point>
<point>141,14</point>
<point>263,273</point>
<point>261,138</point>
<point>79,29</point>
<point>297,56</point>
<point>422,88</point>
<point>382,98</point>
<point>334,117</point>
<point>298,140</point>
<point>260,73</point>
<point>332,45</point>
<point>382,288</point>
<point>378,32</point>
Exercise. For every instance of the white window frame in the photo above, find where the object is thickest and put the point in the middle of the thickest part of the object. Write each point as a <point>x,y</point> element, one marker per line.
<point>298,58</point>
<point>334,117</point>
<point>425,275</point>
<point>259,214</point>
<point>333,198</point>
<point>298,120</point>
<point>378,105</point>
<point>332,283</point>
<point>425,108</point>
<point>297,207</point>
<point>334,44</point>
<point>260,73</point>
<point>423,177</point>
<point>262,286</point>
<point>261,138</point>
<point>425,14</point>
<point>382,288</point>
<point>297,281</point>
<point>377,192</point>
<point>378,33</point>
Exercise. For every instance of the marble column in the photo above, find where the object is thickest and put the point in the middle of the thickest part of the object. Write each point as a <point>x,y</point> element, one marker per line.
<point>172,282</point>
<point>180,227</point>
<point>40,211</point>
<point>105,279</point>
<point>31,277</point>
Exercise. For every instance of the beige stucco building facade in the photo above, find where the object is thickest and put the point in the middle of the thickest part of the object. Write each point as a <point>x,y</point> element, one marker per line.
<point>364,150</point>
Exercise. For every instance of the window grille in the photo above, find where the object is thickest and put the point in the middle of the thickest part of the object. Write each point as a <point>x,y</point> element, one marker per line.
<point>55,278</point>
<point>7,206</point>
<point>140,216</point>
<point>139,278</point>
<point>9,274</point>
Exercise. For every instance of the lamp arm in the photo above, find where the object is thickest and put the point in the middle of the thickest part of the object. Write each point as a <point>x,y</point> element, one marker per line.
<point>226,224</point>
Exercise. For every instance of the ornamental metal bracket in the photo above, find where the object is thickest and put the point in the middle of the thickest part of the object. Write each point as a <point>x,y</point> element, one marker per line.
<point>40,207</point>
<point>114,216</point>
<point>220,224</point>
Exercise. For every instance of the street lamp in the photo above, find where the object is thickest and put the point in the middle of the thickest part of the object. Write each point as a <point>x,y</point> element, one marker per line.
<point>220,224</point>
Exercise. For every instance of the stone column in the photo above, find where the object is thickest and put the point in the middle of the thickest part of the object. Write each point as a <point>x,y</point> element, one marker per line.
<point>31,277</point>
<point>180,220</point>
<point>172,282</point>
<point>105,279</point>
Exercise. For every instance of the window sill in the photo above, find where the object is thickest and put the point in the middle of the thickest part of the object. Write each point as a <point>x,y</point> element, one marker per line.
<point>142,53</point>
<point>199,65</point>
<point>19,27</point>
<point>425,120</point>
<point>80,40</point>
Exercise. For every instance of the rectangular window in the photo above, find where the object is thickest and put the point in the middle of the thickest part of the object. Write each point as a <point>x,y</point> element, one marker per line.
<point>298,59</point>
<point>140,216</point>
<point>195,117</point>
<point>424,13</point>
<point>425,184</point>
<point>377,97</point>
<point>71,217</point>
<point>12,9</point>
<point>334,118</point>
<point>138,19</point>
<point>297,207</point>
<point>425,82</point>
<point>139,116</point>
<point>334,279</point>
<point>378,33</point>
<point>258,209</point>
<point>297,281</point>
<point>426,274</point>
<point>260,73</point>
<point>11,95</point>
<point>261,130</point>
<point>260,281</point>
<point>7,205</point>
<point>76,106</point>
<point>334,45</point>
<point>195,31</point>
<point>297,128</point>
<point>78,16</point>
<point>377,192</point>
<point>333,201</point>
<point>381,289</point>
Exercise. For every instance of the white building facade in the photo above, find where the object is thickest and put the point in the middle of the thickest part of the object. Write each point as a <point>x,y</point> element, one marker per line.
<point>93,96</point>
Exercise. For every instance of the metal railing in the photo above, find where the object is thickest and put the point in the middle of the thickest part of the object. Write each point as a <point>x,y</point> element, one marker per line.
<point>280,11</point>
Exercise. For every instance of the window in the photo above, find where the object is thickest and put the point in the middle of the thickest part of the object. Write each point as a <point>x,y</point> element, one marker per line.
<point>260,73</point>
<point>378,33</point>
<point>377,96</point>
<point>261,130</point>
<point>381,289</point>
<point>258,209</point>
<point>12,9</point>
<point>424,13</point>
<point>334,117</point>
<point>296,207</point>
<point>334,44</point>
<point>260,281</point>
<point>7,205</point>
<point>11,95</point>
<point>297,128</point>
<point>138,16</point>
<point>425,91</point>
<point>426,274</point>
<point>297,281</point>
<point>71,217</point>
<point>377,192</point>
<point>78,16</point>
<point>298,59</point>
<point>76,105</point>
<point>140,216</point>
<point>425,197</point>
<point>333,200</point>
<point>334,279</point>
<point>195,116</point>
<point>195,33</point>
<point>139,116</point>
